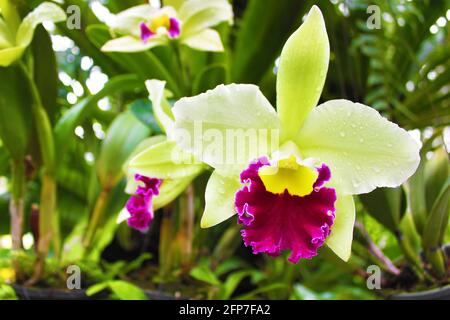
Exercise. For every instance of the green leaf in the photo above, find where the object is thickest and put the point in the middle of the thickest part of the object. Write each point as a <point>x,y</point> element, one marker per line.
<point>15,107</point>
<point>127,291</point>
<point>96,288</point>
<point>210,77</point>
<point>267,25</point>
<point>386,205</point>
<point>231,283</point>
<point>143,110</point>
<point>203,273</point>
<point>437,222</point>
<point>77,114</point>
<point>122,137</point>
<point>45,70</point>
<point>437,170</point>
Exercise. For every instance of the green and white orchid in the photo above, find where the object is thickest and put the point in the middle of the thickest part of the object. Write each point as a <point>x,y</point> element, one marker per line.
<point>16,35</point>
<point>190,22</point>
<point>154,179</point>
<point>279,193</point>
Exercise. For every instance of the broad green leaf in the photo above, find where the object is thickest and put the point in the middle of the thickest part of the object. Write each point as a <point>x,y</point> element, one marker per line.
<point>203,273</point>
<point>232,282</point>
<point>437,221</point>
<point>78,113</point>
<point>205,40</point>
<point>126,290</point>
<point>15,107</point>
<point>227,127</point>
<point>437,170</point>
<point>171,189</point>
<point>165,160</point>
<point>210,77</point>
<point>302,72</point>
<point>386,205</point>
<point>267,25</point>
<point>219,199</point>
<point>143,110</point>
<point>340,240</point>
<point>96,288</point>
<point>197,15</point>
<point>45,70</point>
<point>124,134</point>
<point>362,149</point>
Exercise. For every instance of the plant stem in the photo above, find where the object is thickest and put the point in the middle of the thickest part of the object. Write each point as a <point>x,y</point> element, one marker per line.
<point>186,226</point>
<point>48,220</point>
<point>16,205</point>
<point>16,210</point>
<point>182,76</point>
<point>376,251</point>
<point>97,214</point>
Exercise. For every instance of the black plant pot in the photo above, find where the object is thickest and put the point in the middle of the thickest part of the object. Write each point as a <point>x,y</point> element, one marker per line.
<point>26,293</point>
<point>442,293</point>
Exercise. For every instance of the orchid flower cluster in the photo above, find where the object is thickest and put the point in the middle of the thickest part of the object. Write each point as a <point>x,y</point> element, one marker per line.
<point>143,27</point>
<point>16,35</point>
<point>292,175</point>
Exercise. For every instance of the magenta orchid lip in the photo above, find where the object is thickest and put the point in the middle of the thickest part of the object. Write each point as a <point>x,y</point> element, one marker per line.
<point>140,204</point>
<point>273,223</point>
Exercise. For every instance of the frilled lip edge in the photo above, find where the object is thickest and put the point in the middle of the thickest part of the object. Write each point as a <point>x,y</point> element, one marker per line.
<point>140,204</point>
<point>273,223</point>
<point>173,31</point>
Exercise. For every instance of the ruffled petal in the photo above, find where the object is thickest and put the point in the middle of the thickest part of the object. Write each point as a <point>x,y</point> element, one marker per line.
<point>276,222</point>
<point>140,204</point>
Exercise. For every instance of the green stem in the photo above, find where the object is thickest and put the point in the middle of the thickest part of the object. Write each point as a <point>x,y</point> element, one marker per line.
<point>48,219</point>
<point>97,214</point>
<point>186,219</point>
<point>436,258</point>
<point>183,79</point>
<point>16,206</point>
<point>410,255</point>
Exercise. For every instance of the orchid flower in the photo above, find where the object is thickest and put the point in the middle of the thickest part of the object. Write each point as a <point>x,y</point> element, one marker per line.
<point>154,179</point>
<point>292,175</point>
<point>16,35</point>
<point>144,27</point>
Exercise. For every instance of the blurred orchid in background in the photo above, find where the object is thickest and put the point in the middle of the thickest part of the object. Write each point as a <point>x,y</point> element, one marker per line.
<point>297,195</point>
<point>16,35</point>
<point>143,27</point>
<point>154,179</point>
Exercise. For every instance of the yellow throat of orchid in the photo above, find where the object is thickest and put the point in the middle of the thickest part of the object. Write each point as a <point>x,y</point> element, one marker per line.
<point>161,21</point>
<point>288,174</point>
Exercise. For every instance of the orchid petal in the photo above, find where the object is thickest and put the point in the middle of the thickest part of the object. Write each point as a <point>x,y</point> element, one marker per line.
<point>6,39</point>
<point>165,160</point>
<point>340,239</point>
<point>132,44</point>
<point>219,199</point>
<point>302,72</point>
<point>198,15</point>
<point>362,149</point>
<point>128,21</point>
<point>9,55</point>
<point>205,40</point>
<point>161,107</point>
<point>227,127</point>
<point>171,189</point>
<point>46,11</point>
